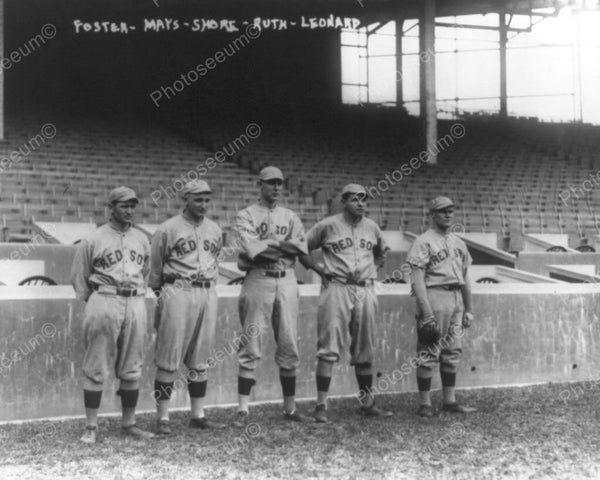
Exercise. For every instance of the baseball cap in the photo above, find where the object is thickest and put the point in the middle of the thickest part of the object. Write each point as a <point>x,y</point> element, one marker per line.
<point>354,188</point>
<point>122,194</point>
<point>439,203</point>
<point>195,186</point>
<point>270,173</point>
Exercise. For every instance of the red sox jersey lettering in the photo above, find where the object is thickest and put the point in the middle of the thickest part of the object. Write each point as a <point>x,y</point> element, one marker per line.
<point>183,249</point>
<point>445,258</point>
<point>111,257</point>
<point>348,249</point>
<point>257,224</point>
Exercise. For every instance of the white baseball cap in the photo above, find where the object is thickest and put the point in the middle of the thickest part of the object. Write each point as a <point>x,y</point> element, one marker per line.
<point>195,186</point>
<point>439,203</point>
<point>270,173</point>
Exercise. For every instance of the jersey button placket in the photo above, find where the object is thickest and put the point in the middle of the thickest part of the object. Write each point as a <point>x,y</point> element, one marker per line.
<point>123,300</point>
<point>355,252</point>
<point>196,227</point>
<point>126,270</point>
<point>270,233</point>
<point>274,237</point>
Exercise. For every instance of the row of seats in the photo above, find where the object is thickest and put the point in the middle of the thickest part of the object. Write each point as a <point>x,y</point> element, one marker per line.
<point>509,179</point>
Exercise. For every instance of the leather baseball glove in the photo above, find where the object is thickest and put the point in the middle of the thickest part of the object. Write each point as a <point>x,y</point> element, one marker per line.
<point>428,332</point>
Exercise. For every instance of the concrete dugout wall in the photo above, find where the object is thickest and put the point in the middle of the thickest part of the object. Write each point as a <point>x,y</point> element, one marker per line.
<point>523,333</point>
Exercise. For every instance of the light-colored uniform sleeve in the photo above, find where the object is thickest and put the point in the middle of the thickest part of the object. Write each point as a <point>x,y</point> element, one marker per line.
<point>247,235</point>
<point>468,260</point>
<point>298,236</point>
<point>314,237</point>
<point>81,271</point>
<point>418,255</point>
<point>158,251</point>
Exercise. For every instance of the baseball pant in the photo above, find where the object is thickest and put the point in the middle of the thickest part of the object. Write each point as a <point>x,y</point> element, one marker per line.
<point>186,330</point>
<point>447,306</point>
<point>263,300</point>
<point>115,331</point>
<point>346,311</point>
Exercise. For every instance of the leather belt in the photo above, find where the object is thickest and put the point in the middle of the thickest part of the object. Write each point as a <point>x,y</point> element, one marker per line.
<point>192,283</point>
<point>451,288</point>
<point>122,292</point>
<point>351,281</point>
<point>274,273</point>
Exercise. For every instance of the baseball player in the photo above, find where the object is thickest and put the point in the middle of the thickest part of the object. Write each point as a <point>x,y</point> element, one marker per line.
<point>439,262</point>
<point>109,273</point>
<point>271,237</point>
<point>183,273</point>
<point>353,248</point>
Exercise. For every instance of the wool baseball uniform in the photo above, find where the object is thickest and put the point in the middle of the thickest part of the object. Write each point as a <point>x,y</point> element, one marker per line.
<point>445,260</point>
<point>184,264</point>
<point>347,307</point>
<point>109,271</point>
<point>270,291</point>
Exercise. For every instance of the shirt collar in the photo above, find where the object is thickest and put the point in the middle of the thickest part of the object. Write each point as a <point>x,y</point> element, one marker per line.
<point>186,216</point>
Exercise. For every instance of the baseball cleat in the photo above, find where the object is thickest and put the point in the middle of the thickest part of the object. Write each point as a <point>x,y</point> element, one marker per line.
<point>204,423</point>
<point>296,416</point>
<point>89,436</point>
<point>136,432</point>
<point>321,413</point>
<point>241,419</point>
<point>374,411</point>
<point>163,427</point>
<point>457,408</point>
<point>425,411</point>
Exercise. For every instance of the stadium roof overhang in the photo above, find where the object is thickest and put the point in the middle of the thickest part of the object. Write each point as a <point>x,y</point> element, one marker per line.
<point>368,10</point>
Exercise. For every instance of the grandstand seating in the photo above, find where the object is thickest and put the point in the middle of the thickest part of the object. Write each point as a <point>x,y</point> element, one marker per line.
<point>504,178</point>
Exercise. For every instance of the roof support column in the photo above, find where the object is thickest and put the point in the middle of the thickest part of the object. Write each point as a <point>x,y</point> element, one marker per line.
<point>427,78</point>
<point>503,76</point>
<point>1,71</point>
<point>399,81</point>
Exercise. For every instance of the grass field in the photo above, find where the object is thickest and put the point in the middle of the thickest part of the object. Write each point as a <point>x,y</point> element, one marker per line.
<point>548,431</point>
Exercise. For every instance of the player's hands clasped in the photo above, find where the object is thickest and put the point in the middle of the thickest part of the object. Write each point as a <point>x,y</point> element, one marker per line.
<point>467,319</point>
